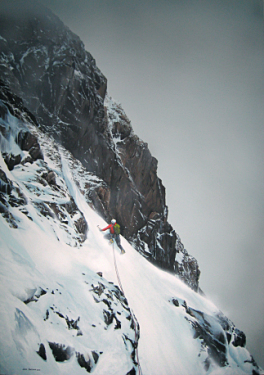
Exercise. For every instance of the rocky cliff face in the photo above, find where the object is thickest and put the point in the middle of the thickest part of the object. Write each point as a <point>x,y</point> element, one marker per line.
<point>65,93</point>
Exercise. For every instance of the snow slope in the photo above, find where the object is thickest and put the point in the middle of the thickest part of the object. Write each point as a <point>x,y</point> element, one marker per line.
<point>54,300</point>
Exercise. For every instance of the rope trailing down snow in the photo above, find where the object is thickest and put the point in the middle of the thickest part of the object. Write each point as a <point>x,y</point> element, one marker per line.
<point>132,313</point>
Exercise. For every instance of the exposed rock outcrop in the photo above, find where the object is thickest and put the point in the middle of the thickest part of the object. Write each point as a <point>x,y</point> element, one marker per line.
<point>48,193</point>
<point>215,333</point>
<point>110,304</point>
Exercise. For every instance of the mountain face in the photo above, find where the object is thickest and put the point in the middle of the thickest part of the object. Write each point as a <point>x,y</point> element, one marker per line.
<point>71,303</point>
<point>46,65</point>
<point>68,153</point>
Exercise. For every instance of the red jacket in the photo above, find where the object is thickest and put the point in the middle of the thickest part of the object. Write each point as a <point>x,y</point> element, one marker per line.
<point>111,227</point>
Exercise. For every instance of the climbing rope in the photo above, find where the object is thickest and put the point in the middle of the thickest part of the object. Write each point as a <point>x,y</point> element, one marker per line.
<point>132,313</point>
<point>117,273</point>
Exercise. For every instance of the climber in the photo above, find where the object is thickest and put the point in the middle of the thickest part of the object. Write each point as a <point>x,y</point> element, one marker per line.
<point>114,234</point>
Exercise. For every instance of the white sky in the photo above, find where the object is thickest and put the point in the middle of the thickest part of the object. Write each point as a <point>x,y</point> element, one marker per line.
<point>190,77</point>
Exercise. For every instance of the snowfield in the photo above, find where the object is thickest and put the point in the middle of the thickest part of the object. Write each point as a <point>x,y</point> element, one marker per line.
<point>62,309</point>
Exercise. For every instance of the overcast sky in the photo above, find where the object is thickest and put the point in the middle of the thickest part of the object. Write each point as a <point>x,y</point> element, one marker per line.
<point>189,75</point>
